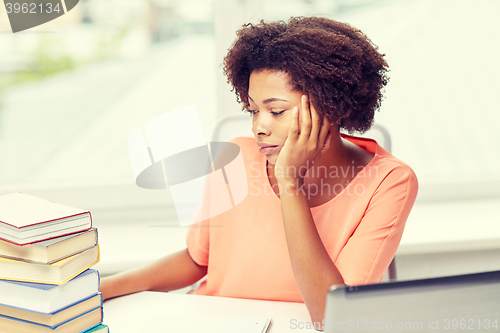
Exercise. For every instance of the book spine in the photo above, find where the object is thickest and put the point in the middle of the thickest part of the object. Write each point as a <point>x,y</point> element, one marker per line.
<point>100,323</point>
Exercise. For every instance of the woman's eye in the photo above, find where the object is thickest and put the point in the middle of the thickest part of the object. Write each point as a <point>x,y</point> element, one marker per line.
<point>251,112</point>
<point>277,113</point>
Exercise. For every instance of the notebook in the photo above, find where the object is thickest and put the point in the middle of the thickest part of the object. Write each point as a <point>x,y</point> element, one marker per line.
<point>196,324</point>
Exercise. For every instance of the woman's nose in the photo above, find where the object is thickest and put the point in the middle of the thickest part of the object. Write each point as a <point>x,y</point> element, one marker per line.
<point>261,125</point>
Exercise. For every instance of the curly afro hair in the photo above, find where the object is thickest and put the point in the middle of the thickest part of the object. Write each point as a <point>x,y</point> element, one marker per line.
<point>336,65</point>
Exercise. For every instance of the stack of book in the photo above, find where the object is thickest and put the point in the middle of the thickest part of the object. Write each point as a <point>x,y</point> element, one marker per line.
<point>46,284</point>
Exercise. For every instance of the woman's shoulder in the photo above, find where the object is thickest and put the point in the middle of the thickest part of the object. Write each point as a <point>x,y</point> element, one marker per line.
<point>382,158</point>
<point>392,172</point>
<point>391,163</point>
<point>384,168</point>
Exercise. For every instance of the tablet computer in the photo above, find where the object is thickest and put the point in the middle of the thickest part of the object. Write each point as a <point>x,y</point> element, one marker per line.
<point>454,303</point>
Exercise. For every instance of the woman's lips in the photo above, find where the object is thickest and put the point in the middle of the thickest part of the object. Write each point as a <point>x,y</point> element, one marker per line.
<point>268,150</point>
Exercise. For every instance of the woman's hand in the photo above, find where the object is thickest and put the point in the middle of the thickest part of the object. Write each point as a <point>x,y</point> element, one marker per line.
<point>303,145</point>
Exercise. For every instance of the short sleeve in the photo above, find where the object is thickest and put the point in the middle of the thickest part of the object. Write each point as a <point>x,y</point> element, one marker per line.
<point>374,242</point>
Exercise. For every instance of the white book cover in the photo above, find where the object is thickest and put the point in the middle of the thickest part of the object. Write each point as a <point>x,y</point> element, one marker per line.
<point>25,219</point>
<point>21,210</point>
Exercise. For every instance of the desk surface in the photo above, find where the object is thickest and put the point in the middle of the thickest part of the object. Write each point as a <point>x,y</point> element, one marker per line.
<point>130,314</point>
<point>436,227</point>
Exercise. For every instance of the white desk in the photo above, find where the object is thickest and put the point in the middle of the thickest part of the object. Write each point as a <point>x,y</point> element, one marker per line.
<point>130,314</point>
<point>436,227</point>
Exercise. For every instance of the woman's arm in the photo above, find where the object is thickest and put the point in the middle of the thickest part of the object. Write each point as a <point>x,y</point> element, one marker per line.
<point>175,271</point>
<point>373,244</point>
<point>313,269</point>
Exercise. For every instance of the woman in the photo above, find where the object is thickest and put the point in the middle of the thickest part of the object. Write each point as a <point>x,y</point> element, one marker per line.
<point>323,208</point>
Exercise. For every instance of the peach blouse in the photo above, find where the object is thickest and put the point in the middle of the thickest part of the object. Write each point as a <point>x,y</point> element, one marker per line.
<point>245,247</point>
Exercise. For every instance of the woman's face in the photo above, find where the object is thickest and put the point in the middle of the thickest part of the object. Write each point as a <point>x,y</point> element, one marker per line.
<point>271,102</point>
